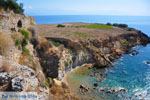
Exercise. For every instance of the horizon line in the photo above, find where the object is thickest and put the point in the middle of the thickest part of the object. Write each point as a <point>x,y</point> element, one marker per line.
<point>89,15</point>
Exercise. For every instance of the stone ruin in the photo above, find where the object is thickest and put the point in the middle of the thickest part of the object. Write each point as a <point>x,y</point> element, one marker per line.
<point>10,22</point>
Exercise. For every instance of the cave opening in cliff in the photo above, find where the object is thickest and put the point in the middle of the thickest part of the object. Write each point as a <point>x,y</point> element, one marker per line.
<point>19,24</point>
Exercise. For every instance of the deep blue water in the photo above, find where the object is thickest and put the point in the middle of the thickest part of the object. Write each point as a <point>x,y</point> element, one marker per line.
<point>130,72</point>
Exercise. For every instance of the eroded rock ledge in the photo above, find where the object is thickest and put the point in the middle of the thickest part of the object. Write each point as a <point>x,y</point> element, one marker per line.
<point>57,61</point>
<point>33,67</point>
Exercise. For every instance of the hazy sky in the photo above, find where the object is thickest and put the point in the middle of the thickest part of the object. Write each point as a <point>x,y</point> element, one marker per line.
<point>87,7</point>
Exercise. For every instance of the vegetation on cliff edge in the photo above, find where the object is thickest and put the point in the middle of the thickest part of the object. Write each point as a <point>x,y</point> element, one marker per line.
<point>12,5</point>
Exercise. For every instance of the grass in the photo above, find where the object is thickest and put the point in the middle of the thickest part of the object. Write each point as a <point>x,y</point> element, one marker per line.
<point>55,43</point>
<point>26,51</point>
<point>25,33</point>
<point>96,26</point>
<point>79,35</point>
<point>5,66</point>
<point>46,83</point>
<point>17,43</point>
<point>24,43</point>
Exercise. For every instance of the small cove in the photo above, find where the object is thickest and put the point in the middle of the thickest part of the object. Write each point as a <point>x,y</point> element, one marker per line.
<point>130,72</point>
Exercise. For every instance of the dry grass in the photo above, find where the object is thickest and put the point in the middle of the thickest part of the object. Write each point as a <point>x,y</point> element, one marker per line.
<point>2,10</point>
<point>17,36</point>
<point>24,59</point>
<point>5,66</point>
<point>72,32</point>
<point>6,42</point>
<point>61,92</point>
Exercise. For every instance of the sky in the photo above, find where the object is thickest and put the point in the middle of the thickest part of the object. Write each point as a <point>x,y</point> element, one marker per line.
<point>87,7</point>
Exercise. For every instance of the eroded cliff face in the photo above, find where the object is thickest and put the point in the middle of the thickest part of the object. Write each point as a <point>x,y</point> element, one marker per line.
<point>11,22</point>
<point>20,70</point>
<point>101,53</point>
<point>32,64</point>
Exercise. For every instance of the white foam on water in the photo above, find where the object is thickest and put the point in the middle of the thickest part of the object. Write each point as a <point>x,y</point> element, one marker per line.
<point>144,93</point>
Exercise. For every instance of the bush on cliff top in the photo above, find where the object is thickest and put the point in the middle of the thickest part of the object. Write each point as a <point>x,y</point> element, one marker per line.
<point>12,5</point>
<point>121,25</point>
<point>60,25</point>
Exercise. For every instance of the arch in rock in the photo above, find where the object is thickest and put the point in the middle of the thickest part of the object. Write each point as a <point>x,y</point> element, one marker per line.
<point>19,24</point>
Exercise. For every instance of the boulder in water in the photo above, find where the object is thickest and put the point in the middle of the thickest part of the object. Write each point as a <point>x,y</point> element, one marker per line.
<point>83,87</point>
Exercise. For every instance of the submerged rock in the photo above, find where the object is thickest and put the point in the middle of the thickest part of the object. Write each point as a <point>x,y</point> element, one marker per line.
<point>101,79</point>
<point>113,90</point>
<point>84,88</point>
<point>95,84</point>
<point>148,63</point>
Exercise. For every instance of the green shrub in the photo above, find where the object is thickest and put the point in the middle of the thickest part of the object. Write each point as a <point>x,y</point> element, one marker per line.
<point>25,33</point>
<point>17,43</point>
<point>43,63</point>
<point>120,25</point>
<point>12,5</point>
<point>24,43</point>
<point>109,24</point>
<point>130,29</point>
<point>26,51</point>
<point>115,24</point>
<point>51,81</point>
<point>60,25</point>
<point>55,43</point>
<point>46,83</point>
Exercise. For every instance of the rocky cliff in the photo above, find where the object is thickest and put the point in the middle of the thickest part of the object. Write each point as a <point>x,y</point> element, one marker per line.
<point>38,56</point>
<point>101,53</point>
<point>20,69</point>
<point>11,22</point>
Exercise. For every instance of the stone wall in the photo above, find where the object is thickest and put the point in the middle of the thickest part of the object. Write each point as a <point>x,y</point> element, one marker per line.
<point>10,22</point>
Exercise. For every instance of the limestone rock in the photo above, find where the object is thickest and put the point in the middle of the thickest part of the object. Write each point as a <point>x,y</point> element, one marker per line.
<point>11,22</point>
<point>4,81</point>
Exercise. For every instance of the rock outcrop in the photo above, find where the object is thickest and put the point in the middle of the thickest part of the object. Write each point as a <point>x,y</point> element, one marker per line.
<point>34,67</point>
<point>11,22</point>
<point>18,78</point>
<point>99,52</point>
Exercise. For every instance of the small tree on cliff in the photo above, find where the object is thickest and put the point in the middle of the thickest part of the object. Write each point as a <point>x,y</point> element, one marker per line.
<point>12,5</point>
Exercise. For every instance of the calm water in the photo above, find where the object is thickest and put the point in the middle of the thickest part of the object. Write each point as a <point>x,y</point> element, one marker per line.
<point>130,72</point>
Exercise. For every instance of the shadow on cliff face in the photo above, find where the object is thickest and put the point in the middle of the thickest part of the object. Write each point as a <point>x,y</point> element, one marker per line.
<point>19,24</point>
<point>102,52</point>
<point>49,59</point>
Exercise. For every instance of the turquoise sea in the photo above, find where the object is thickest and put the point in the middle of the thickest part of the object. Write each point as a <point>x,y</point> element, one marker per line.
<point>130,72</point>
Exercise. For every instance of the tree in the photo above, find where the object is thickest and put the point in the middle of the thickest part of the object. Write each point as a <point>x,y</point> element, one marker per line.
<point>12,5</point>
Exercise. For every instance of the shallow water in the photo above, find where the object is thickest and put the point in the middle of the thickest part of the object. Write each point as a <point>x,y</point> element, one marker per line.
<point>130,72</point>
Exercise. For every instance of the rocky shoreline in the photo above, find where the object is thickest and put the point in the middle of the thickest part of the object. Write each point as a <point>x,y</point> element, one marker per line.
<point>40,55</point>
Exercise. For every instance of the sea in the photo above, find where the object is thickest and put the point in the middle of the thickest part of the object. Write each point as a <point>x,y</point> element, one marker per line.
<point>130,72</point>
